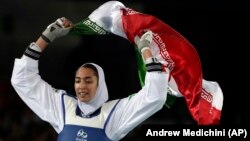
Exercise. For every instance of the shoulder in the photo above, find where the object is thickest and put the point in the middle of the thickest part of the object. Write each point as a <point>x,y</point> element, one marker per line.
<point>110,104</point>
<point>67,96</point>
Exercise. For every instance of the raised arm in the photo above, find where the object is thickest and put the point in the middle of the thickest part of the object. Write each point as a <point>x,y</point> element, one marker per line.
<point>43,99</point>
<point>59,28</point>
<point>136,108</point>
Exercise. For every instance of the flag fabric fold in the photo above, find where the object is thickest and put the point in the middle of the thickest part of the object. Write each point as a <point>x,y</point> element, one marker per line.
<point>204,98</point>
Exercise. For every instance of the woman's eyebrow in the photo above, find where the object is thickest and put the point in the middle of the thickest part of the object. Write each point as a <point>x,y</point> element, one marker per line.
<point>87,77</point>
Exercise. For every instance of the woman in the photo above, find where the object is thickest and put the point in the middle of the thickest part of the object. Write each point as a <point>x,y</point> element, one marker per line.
<point>88,116</point>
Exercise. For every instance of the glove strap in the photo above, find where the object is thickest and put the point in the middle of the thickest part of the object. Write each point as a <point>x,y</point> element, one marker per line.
<point>45,38</point>
<point>152,64</point>
<point>32,53</point>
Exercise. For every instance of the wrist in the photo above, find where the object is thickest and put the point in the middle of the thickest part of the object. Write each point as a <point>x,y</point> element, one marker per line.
<point>151,60</point>
<point>45,38</point>
<point>41,43</point>
<point>35,47</point>
<point>144,49</point>
<point>33,51</point>
<point>153,64</point>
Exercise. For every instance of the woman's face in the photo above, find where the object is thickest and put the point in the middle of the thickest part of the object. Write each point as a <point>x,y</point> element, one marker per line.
<point>85,84</point>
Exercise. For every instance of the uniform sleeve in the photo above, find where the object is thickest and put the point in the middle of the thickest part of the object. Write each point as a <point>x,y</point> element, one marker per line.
<point>133,110</point>
<point>40,97</point>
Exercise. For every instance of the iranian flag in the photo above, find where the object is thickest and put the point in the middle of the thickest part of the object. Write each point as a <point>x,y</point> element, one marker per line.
<point>203,98</point>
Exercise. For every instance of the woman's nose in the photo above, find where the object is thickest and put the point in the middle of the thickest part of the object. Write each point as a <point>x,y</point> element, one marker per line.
<point>82,85</point>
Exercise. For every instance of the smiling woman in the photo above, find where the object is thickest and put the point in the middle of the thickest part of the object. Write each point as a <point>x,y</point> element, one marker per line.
<point>86,82</point>
<point>88,115</point>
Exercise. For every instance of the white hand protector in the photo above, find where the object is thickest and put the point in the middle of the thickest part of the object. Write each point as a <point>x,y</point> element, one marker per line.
<point>145,40</point>
<point>55,30</point>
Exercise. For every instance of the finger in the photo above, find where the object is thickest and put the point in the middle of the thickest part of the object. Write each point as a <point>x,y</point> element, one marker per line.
<point>59,22</point>
<point>148,36</point>
<point>63,18</point>
<point>136,39</point>
<point>65,22</point>
<point>146,30</point>
<point>69,24</point>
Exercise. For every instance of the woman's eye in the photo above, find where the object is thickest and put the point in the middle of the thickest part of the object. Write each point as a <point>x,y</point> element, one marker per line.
<point>88,81</point>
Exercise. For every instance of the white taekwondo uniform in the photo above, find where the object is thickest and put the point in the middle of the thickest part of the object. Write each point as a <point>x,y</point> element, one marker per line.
<point>115,118</point>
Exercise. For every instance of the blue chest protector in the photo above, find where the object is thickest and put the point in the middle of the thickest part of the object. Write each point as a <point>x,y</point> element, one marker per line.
<point>78,128</point>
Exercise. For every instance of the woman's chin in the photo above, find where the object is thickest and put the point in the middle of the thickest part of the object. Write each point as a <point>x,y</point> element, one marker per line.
<point>83,99</point>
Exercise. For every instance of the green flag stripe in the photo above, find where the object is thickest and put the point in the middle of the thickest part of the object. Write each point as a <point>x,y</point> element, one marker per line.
<point>88,27</point>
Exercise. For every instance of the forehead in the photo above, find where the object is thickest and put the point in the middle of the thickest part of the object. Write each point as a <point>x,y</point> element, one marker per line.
<point>81,72</point>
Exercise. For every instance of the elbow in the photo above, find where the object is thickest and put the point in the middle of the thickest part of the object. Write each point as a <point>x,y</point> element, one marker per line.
<point>15,83</point>
<point>159,96</point>
<point>13,80</point>
<point>161,101</point>
<point>156,88</point>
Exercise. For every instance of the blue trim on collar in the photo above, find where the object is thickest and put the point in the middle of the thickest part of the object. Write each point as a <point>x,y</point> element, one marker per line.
<point>63,108</point>
<point>63,104</point>
<point>79,113</point>
<point>110,114</point>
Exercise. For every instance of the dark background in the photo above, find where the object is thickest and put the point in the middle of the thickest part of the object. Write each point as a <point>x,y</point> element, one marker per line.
<point>219,30</point>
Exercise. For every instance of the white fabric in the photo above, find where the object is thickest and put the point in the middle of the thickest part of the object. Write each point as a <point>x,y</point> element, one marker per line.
<point>213,88</point>
<point>108,16</point>
<point>46,101</point>
<point>97,121</point>
<point>35,47</point>
<point>100,97</point>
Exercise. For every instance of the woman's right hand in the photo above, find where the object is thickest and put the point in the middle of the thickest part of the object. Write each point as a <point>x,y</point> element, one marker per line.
<point>60,27</point>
